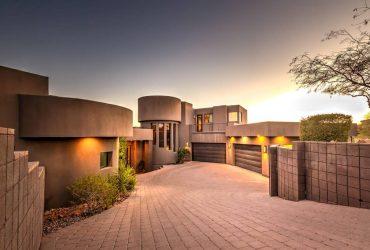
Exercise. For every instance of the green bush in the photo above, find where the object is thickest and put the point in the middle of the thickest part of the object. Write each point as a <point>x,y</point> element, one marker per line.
<point>326,127</point>
<point>364,129</point>
<point>96,190</point>
<point>181,154</point>
<point>125,179</point>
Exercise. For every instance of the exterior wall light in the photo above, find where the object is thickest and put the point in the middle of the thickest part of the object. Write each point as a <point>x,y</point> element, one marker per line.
<point>265,149</point>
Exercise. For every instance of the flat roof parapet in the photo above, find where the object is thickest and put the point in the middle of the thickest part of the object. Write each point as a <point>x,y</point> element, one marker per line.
<point>56,117</point>
<point>268,129</point>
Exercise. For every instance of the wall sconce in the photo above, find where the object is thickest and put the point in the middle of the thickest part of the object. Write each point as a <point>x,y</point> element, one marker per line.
<point>265,149</point>
<point>229,145</point>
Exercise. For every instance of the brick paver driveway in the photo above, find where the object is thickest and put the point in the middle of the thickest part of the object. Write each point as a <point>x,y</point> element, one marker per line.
<point>214,206</point>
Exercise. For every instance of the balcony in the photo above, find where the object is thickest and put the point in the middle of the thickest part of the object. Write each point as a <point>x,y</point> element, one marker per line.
<point>209,128</point>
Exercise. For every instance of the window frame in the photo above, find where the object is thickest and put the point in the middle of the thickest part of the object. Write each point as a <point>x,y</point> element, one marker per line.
<point>106,159</point>
<point>236,116</point>
<point>154,127</point>
<point>161,135</point>
<point>208,118</point>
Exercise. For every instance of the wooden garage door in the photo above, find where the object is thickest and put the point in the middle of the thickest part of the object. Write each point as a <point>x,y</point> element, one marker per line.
<point>209,152</point>
<point>248,156</point>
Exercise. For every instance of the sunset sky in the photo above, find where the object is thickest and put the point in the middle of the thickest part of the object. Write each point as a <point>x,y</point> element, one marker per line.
<point>204,52</point>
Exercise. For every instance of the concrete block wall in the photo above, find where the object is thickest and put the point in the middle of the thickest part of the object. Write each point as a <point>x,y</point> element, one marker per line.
<point>291,172</point>
<point>21,196</point>
<point>335,173</point>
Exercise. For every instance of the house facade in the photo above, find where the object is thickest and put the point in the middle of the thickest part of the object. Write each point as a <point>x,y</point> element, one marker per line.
<point>70,137</point>
<point>218,134</point>
<point>74,137</point>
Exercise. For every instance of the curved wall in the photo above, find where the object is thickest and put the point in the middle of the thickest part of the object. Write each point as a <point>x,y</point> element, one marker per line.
<point>51,116</point>
<point>159,108</point>
<point>66,160</point>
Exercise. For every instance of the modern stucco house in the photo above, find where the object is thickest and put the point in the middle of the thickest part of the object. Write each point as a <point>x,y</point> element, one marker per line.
<point>215,134</point>
<point>75,137</point>
<point>70,137</point>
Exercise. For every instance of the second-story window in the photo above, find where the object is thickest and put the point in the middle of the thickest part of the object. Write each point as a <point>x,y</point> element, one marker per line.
<point>208,118</point>
<point>233,116</point>
<point>199,123</point>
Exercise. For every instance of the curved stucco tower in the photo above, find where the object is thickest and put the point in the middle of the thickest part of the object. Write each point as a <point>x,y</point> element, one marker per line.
<point>163,115</point>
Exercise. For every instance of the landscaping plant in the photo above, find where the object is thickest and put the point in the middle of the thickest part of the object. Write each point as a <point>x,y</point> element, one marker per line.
<point>98,191</point>
<point>364,127</point>
<point>326,127</point>
<point>181,154</point>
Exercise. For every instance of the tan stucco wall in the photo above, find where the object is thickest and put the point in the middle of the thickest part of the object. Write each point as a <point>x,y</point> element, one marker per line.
<point>65,160</point>
<point>12,83</point>
<point>159,108</point>
<point>141,134</point>
<point>269,129</point>
<point>209,137</point>
<point>185,127</point>
<point>52,116</point>
<point>162,156</point>
<point>261,140</point>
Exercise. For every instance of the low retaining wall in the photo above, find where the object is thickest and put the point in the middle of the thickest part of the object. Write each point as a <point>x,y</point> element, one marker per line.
<point>21,197</point>
<point>336,173</point>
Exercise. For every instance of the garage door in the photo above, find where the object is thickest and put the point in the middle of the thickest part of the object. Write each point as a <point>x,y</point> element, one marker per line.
<point>248,156</point>
<point>209,152</point>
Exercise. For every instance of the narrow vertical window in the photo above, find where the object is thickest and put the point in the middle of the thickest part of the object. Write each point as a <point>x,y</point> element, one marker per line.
<point>174,137</point>
<point>154,127</point>
<point>199,123</point>
<point>161,135</point>
<point>168,132</point>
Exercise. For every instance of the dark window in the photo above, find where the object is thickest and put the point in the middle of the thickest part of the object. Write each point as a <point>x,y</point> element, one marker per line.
<point>168,131</point>
<point>199,123</point>
<point>106,159</point>
<point>161,135</point>
<point>154,127</point>
<point>174,137</point>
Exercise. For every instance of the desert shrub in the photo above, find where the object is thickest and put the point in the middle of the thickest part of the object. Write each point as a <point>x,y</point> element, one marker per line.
<point>181,154</point>
<point>326,127</point>
<point>125,179</point>
<point>98,191</point>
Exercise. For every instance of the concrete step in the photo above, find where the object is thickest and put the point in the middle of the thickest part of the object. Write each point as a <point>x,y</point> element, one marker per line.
<point>33,165</point>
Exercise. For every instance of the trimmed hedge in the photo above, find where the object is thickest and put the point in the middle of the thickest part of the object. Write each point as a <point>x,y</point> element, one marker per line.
<point>326,127</point>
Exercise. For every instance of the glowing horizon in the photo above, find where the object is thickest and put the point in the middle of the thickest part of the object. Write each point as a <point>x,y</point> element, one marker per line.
<point>207,53</point>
